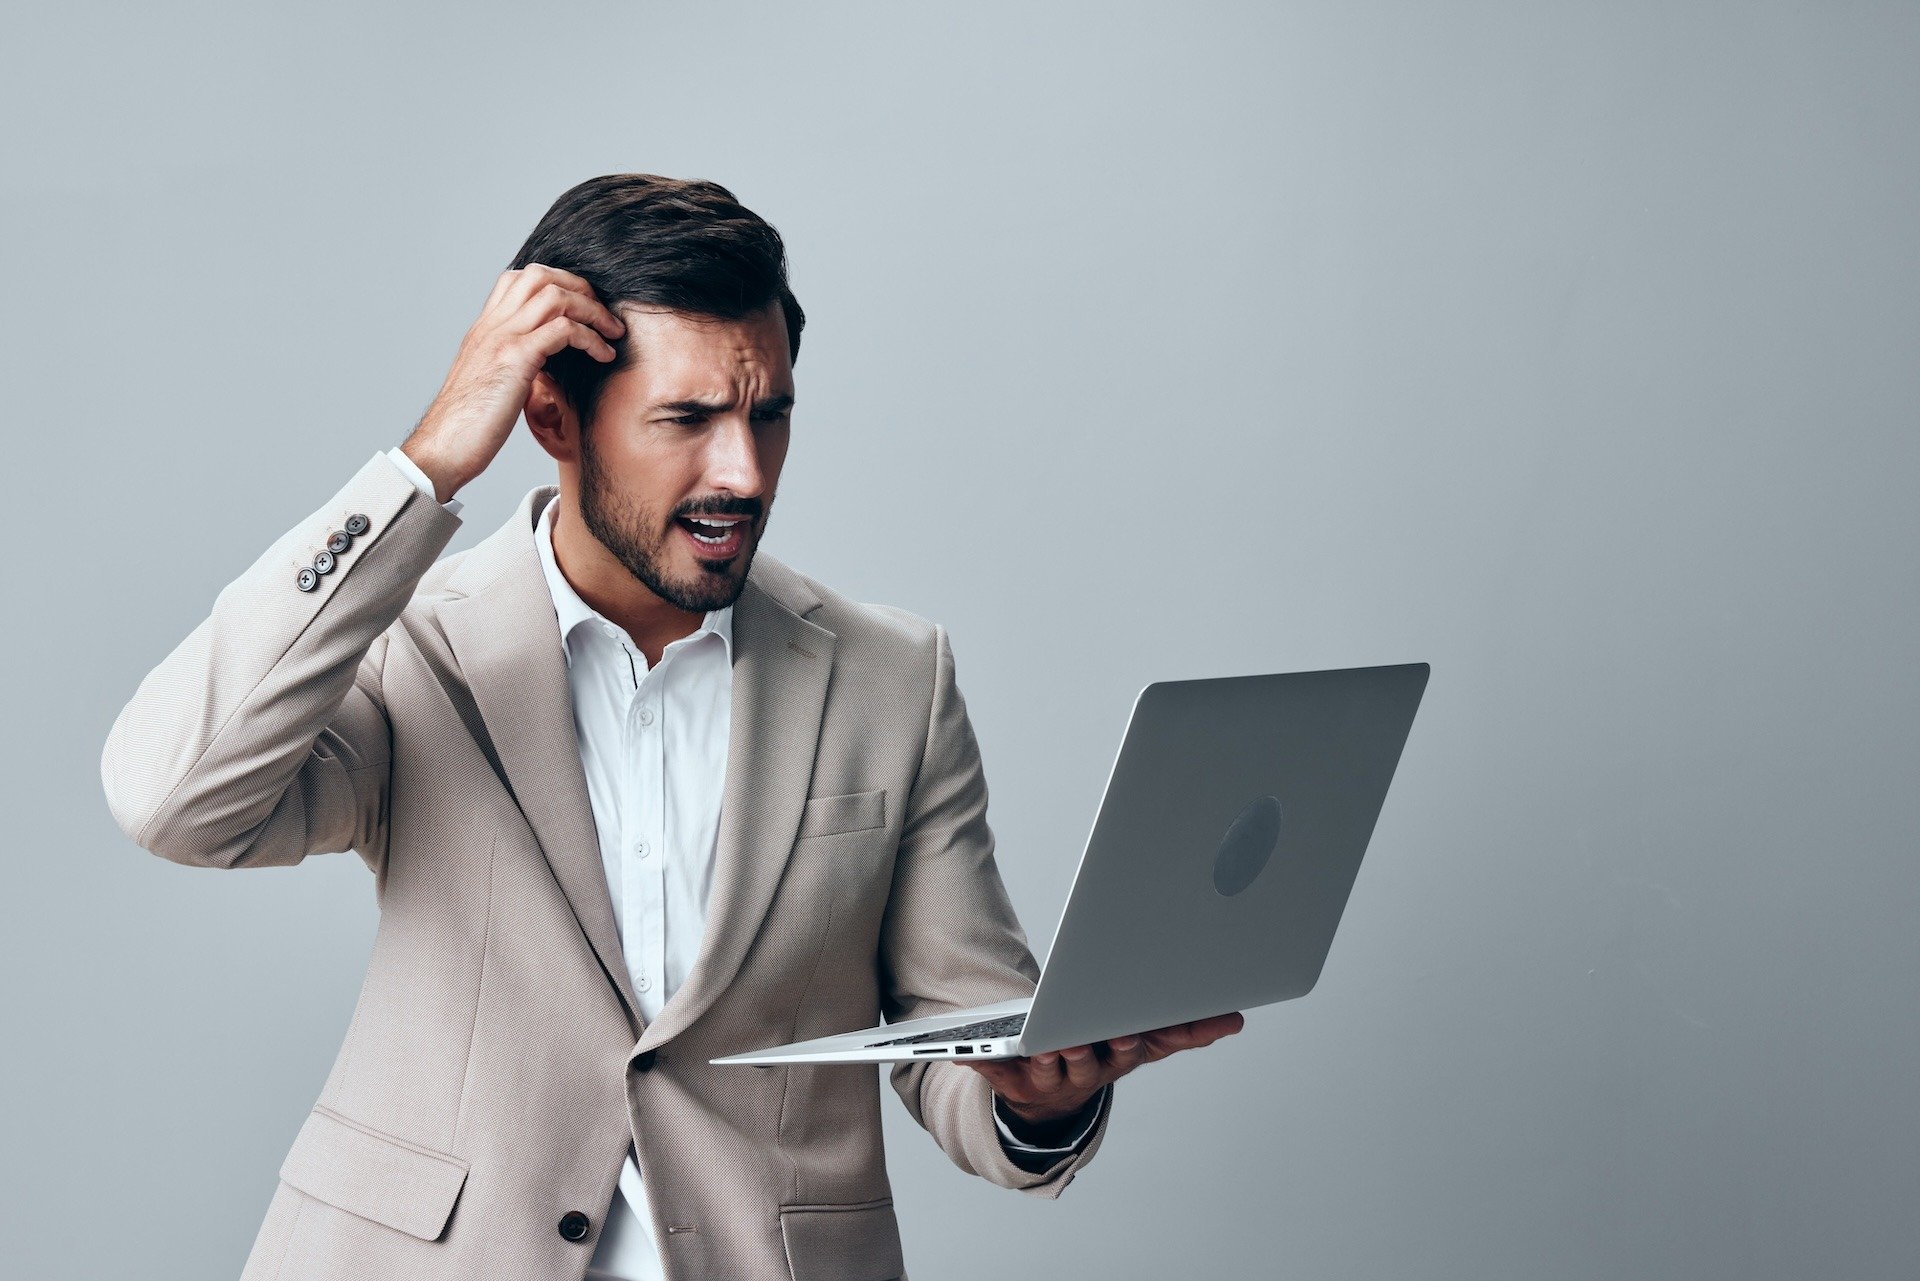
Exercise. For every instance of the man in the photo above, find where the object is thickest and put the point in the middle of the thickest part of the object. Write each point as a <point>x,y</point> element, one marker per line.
<point>634,797</point>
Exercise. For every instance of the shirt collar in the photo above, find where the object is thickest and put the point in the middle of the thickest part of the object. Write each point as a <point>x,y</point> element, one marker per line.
<point>572,612</point>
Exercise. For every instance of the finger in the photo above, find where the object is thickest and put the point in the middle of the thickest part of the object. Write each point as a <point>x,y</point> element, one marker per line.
<point>552,300</point>
<point>1224,1024</point>
<point>560,276</point>
<point>999,1078</point>
<point>587,308</point>
<point>1007,1075</point>
<point>1082,1067</point>
<point>535,276</point>
<point>1125,1053</point>
<point>590,341</point>
<point>502,283</point>
<point>1044,1072</point>
<point>532,279</point>
<point>1170,1040</point>
<point>563,332</point>
<point>1190,1036</point>
<point>1207,1031</point>
<point>520,284</point>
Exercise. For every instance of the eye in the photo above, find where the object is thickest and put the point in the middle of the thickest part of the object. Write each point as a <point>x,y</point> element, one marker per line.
<point>774,416</point>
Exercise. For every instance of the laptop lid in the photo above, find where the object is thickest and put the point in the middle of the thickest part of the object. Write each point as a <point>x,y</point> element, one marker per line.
<point>1227,840</point>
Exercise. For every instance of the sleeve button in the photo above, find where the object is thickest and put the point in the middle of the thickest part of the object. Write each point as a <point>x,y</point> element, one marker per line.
<point>307,579</point>
<point>323,562</point>
<point>357,524</point>
<point>338,541</point>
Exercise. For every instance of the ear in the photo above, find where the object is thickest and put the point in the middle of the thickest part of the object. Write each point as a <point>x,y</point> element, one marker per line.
<point>551,420</point>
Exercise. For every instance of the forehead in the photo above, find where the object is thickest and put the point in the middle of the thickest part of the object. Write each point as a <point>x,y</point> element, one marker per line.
<point>677,354</point>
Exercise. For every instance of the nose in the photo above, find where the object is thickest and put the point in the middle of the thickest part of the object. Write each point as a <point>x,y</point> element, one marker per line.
<point>733,460</point>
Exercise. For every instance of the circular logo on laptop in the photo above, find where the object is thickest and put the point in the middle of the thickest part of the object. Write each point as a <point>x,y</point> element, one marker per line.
<point>1247,846</point>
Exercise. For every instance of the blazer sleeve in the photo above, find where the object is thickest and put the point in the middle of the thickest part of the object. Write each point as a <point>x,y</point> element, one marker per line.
<point>950,940</point>
<point>263,737</point>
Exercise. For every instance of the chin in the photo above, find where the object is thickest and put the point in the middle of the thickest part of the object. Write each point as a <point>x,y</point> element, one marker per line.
<point>728,576</point>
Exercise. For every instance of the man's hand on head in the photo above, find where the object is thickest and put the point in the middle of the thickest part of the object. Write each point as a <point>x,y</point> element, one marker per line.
<point>533,312</point>
<point>1049,1087</point>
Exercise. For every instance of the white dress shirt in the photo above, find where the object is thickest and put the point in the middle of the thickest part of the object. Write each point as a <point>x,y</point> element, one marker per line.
<point>653,745</point>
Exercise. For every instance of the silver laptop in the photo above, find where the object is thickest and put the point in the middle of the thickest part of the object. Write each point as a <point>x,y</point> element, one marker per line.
<point>1226,842</point>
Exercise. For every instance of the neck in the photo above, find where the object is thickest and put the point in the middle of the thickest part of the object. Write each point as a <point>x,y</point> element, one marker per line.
<point>611,589</point>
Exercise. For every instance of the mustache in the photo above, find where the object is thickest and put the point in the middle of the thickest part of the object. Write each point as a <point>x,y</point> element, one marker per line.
<point>724,507</point>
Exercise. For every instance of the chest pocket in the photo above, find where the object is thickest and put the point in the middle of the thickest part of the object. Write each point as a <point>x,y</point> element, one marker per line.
<point>848,812</point>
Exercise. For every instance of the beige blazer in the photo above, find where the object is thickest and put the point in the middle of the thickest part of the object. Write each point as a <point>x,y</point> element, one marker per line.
<point>416,711</point>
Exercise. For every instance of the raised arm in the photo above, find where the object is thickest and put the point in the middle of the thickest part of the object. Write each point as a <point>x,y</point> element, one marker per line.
<point>263,737</point>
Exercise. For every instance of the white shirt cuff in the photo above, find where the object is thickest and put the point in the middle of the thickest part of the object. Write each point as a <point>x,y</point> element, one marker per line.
<point>1006,1135</point>
<point>419,478</point>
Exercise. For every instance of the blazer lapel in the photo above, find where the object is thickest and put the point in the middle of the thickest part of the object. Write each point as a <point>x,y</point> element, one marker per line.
<point>499,622</point>
<point>507,641</point>
<point>781,663</point>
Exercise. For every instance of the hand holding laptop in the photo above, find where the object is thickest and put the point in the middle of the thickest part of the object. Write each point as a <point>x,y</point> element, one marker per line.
<point>1058,1084</point>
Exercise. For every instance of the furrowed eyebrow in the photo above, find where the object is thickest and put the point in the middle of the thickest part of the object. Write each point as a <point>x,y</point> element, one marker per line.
<point>767,404</point>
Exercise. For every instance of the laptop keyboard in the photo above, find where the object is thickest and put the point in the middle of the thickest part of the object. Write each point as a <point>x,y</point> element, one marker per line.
<point>983,1031</point>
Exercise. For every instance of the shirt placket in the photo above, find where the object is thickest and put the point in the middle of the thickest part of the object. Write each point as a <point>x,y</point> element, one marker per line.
<point>646,915</point>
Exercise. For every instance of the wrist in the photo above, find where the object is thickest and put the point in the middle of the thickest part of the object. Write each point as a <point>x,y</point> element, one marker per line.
<point>446,482</point>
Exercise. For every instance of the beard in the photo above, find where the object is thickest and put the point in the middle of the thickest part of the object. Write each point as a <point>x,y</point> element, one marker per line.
<point>643,542</point>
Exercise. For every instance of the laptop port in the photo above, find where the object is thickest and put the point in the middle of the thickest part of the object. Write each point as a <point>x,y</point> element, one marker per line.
<point>932,1051</point>
<point>963,1049</point>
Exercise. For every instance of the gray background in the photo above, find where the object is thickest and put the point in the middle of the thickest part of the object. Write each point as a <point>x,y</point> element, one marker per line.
<point>1570,348</point>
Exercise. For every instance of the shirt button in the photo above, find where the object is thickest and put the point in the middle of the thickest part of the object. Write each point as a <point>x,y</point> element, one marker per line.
<point>640,848</point>
<point>646,716</point>
<point>643,984</point>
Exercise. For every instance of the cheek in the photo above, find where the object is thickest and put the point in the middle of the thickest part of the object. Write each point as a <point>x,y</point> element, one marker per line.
<point>660,473</point>
<point>773,452</point>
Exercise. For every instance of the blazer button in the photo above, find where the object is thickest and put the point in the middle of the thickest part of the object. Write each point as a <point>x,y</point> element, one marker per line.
<point>356,524</point>
<point>338,541</point>
<point>323,561</point>
<point>644,1062</point>
<point>307,579</point>
<point>574,1225</point>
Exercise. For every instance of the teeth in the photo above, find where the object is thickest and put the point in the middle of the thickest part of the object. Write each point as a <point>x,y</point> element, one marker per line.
<point>723,528</point>
<point>715,539</point>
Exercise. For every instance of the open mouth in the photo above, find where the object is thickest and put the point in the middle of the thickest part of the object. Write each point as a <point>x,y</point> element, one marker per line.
<point>715,537</point>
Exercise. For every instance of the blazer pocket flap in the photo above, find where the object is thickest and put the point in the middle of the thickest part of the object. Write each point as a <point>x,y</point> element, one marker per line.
<point>842,1242</point>
<point>374,1175</point>
<point>826,815</point>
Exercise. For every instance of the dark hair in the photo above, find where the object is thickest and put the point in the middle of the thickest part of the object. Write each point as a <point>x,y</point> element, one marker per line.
<point>681,243</point>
